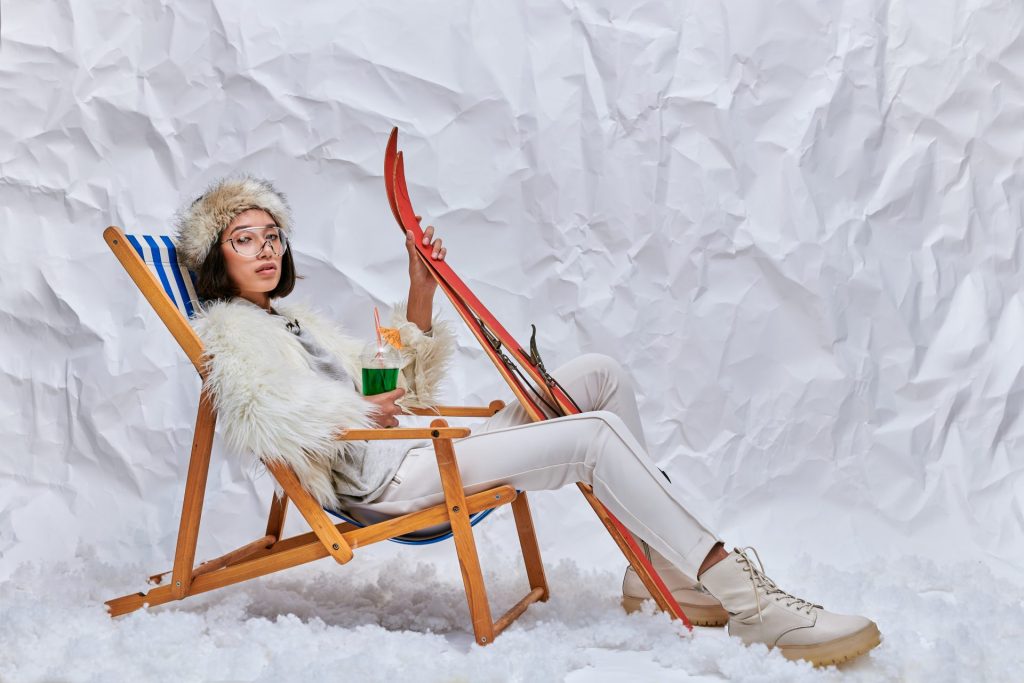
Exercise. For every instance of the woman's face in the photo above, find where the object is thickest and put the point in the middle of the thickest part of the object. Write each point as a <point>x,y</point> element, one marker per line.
<point>256,274</point>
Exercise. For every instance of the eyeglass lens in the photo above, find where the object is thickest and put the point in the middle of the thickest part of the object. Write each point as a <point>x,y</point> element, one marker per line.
<point>252,242</point>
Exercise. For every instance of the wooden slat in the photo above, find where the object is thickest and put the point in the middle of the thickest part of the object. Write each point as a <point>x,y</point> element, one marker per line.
<point>304,548</point>
<point>278,512</point>
<point>517,609</point>
<point>395,433</point>
<point>358,537</point>
<point>460,411</point>
<point>235,556</point>
<point>195,491</point>
<point>462,533</point>
<point>334,543</point>
<point>155,295</point>
<point>528,544</point>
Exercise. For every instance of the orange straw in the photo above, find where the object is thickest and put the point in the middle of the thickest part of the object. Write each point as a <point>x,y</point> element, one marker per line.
<point>376,323</point>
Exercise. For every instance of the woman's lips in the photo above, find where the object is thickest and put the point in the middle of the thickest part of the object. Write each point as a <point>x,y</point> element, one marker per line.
<point>268,269</point>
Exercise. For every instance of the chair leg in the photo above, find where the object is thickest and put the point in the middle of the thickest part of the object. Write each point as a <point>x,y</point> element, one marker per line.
<point>465,544</point>
<point>528,544</point>
<point>275,520</point>
<point>195,491</point>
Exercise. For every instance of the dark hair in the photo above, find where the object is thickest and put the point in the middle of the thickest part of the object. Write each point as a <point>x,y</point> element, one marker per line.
<point>213,283</point>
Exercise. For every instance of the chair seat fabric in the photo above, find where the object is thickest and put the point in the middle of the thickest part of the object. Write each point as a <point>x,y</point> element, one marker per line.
<point>436,534</point>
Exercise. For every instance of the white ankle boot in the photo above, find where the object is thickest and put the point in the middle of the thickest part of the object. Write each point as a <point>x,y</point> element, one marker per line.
<point>761,612</point>
<point>700,607</point>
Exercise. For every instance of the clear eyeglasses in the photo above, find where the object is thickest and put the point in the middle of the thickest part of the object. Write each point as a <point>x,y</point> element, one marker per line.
<point>252,241</point>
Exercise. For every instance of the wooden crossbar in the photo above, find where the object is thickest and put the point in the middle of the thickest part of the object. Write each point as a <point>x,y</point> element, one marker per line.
<point>297,550</point>
<point>460,411</point>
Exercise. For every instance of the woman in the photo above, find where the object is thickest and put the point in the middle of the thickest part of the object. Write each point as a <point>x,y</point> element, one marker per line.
<point>284,380</point>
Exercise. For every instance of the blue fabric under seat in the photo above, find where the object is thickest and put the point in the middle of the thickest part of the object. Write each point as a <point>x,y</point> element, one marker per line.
<point>437,534</point>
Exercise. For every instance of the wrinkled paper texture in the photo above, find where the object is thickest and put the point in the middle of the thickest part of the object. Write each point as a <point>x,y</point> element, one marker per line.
<point>797,224</point>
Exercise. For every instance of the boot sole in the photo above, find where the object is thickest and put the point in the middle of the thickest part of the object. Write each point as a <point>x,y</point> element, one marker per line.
<point>835,651</point>
<point>699,615</point>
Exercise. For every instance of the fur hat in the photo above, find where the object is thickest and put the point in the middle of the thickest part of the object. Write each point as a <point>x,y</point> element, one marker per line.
<point>198,226</point>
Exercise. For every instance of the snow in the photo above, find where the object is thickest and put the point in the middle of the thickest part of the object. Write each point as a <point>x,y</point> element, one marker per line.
<point>386,617</point>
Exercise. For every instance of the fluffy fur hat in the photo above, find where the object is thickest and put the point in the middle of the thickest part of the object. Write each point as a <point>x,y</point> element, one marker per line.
<point>199,225</point>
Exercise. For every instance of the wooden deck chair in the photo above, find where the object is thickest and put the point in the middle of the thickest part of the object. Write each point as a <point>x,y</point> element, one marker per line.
<point>152,264</point>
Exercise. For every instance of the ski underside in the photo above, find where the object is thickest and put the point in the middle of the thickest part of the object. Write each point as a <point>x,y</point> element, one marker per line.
<point>538,392</point>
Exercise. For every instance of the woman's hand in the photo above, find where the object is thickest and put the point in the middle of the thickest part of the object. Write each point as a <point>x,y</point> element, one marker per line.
<point>421,283</point>
<point>420,279</point>
<point>387,410</point>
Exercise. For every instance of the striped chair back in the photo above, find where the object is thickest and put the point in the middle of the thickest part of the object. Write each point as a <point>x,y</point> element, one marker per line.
<point>162,258</point>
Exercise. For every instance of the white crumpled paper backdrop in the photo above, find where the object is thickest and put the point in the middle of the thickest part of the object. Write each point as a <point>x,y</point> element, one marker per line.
<point>797,223</point>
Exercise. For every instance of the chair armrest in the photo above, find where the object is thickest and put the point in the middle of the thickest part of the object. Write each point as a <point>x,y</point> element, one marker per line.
<point>395,433</point>
<point>460,411</point>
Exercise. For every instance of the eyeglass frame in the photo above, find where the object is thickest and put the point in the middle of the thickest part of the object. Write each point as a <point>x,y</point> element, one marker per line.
<point>280,233</point>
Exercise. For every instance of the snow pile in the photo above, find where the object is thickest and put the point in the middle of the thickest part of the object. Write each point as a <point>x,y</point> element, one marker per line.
<point>389,619</point>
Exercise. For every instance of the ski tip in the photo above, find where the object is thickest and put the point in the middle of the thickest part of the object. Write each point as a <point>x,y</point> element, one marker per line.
<point>392,147</point>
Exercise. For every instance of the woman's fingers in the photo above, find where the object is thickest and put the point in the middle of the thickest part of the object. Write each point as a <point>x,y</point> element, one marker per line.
<point>387,410</point>
<point>393,395</point>
<point>438,250</point>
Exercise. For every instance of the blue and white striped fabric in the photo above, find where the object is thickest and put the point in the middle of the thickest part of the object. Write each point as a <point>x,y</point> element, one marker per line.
<point>178,282</point>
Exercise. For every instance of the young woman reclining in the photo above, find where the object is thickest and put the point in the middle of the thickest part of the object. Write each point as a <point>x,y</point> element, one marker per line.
<point>284,380</point>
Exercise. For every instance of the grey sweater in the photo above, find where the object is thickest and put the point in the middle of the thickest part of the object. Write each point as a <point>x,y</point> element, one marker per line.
<point>363,468</point>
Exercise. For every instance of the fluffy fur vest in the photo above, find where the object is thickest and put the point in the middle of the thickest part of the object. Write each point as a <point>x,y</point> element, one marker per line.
<point>271,402</point>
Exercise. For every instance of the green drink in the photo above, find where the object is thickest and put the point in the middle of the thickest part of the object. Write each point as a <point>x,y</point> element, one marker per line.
<point>379,380</point>
<point>381,365</point>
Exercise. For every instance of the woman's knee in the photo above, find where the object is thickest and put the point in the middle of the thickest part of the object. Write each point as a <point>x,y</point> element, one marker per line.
<point>602,364</point>
<point>611,423</point>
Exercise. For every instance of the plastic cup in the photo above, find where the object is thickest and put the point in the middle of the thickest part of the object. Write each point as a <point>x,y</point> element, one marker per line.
<point>381,366</point>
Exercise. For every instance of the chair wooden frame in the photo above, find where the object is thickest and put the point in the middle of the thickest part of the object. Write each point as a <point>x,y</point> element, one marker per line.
<point>271,553</point>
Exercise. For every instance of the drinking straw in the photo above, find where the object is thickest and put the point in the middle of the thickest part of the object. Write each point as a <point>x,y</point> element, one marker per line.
<point>376,323</point>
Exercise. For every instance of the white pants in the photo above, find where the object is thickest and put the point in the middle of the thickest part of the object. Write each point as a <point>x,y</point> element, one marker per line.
<point>603,446</point>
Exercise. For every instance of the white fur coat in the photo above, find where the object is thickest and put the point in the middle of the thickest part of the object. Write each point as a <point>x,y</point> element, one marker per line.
<point>269,400</point>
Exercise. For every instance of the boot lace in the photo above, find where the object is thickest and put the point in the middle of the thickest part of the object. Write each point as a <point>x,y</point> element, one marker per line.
<point>760,582</point>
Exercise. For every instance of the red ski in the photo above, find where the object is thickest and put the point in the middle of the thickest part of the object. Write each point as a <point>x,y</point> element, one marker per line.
<point>539,393</point>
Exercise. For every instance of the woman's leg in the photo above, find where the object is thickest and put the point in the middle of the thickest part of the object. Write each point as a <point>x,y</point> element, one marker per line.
<point>606,450</point>
<point>599,382</point>
<point>593,447</point>
<point>595,382</point>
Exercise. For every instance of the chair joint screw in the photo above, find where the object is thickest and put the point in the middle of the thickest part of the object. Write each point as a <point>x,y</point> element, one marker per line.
<point>177,583</point>
<point>456,508</point>
<point>483,639</point>
<point>435,433</point>
<point>336,546</point>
